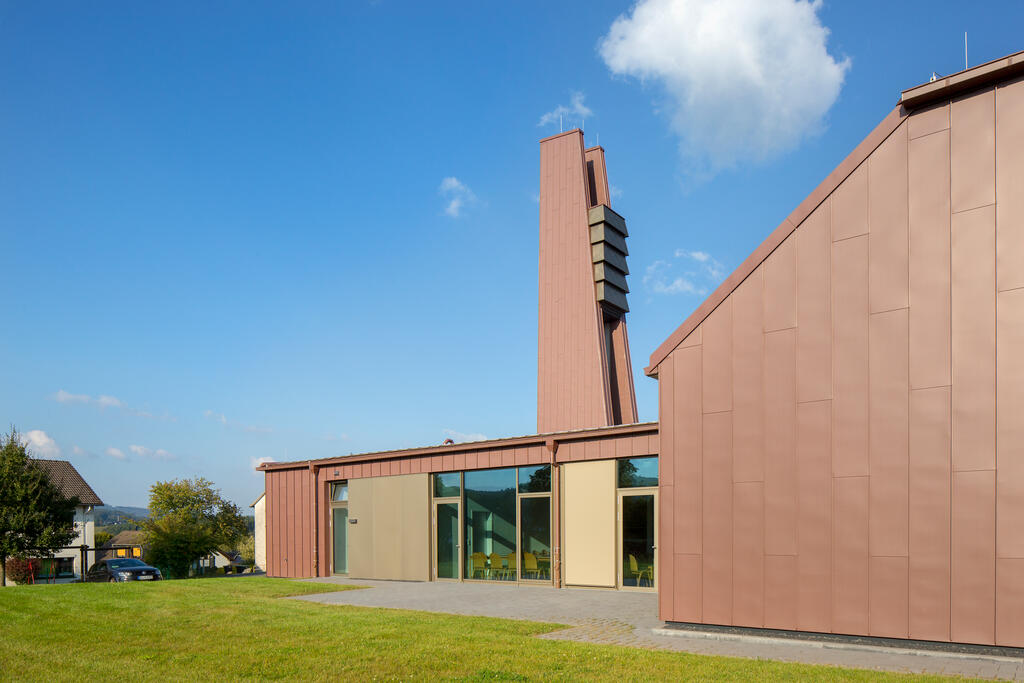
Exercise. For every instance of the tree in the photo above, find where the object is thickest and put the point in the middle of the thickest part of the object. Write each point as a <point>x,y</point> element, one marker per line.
<point>247,549</point>
<point>188,520</point>
<point>100,538</point>
<point>35,517</point>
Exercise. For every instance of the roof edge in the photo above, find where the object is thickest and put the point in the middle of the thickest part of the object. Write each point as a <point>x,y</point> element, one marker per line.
<point>529,439</point>
<point>962,81</point>
<point>847,166</point>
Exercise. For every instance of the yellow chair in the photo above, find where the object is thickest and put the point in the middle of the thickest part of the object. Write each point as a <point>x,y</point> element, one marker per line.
<point>530,566</point>
<point>497,566</point>
<point>640,574</point>
<point>510,566</point>
<point>479,565</point>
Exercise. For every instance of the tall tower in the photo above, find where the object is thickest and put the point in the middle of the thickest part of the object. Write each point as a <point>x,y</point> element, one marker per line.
<point>584,375</point>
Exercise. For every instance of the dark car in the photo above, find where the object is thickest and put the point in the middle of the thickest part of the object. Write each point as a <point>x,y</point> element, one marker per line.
<point>122,569</point>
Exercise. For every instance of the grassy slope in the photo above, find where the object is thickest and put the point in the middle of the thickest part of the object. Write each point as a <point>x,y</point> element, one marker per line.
<point>235,628</point>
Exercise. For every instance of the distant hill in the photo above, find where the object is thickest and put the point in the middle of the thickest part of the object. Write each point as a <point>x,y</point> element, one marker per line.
<point>111,514</point>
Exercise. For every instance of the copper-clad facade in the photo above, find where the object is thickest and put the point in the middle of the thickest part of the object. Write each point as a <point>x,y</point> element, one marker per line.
<point>843,416</point>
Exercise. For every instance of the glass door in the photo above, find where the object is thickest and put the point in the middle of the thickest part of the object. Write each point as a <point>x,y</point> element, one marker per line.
<point>638,544</point>
<point>446,541</point>
<point>339,533</point>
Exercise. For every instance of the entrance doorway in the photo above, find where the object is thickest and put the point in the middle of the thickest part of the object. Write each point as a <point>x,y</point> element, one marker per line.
<point>339,528</point>
<point>638,539</point>
<point>447,558</point>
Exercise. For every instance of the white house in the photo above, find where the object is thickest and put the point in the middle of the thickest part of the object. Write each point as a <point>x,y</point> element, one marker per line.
<point>259,507</point>
<point>68,563</point>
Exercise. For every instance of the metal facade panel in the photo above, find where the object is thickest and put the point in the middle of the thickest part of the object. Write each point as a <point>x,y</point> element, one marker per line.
<point>929,261</point>
<point>780,480</point>
<point>814,305</point>
<point>716,558</point>
<point>929,513</point>
<point>686,584</point>
<point>717,360</point>
<point>888,261</point>
<point>748,380</point>
<point>666,552</point>
<point>850,357</point>
<point>686,450</point>
<point>850,206</point>
<point>973,337</point>
<point>596,169</point>
<point>780,591</point>
<point>972,579</point>
<point>888,608</point>
<point>929,120</point>
<point>571,368</point>
<point>814,490</point>
<point>1009,601</point>
<point>850,566</point>
<point>748,553</point>
<point>1010,424</point>
<point>889,432</point>
<point>1009,180</point>
<point>972,146</point>
<point>780,287</point>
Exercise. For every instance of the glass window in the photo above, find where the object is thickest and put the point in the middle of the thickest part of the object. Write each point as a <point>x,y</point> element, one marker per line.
<point>339,492</point>
<point>489,520</point>
<point>535,479</point>
<point>638,472</point>
<point>535,541</point>
<point>340,524</point>
<point>447,485</point>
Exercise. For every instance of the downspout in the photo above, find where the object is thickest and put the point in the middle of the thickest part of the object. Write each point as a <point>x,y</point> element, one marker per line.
<point>316,519</point>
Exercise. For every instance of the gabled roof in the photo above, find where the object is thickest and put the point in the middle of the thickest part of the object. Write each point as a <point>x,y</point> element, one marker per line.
<point>912,99</point>
<point>258,499</point>
<point>126,537</point>
<point>68,481</point>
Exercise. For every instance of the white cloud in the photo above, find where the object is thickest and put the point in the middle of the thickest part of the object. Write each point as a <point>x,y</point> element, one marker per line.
<point>40,444</point>
<point>67,397</point>
<point>115,453</point>
<point>689,272</point>
<point>563,114</point>
<point>217,417</point>
<point>256,462</point>
<point>463,437</point>
<point>745,79</point>
<point>614,191</point>
<point>108,402</point>
<point>159,454</point>
<point>457,195</point>
<point>223,419</point>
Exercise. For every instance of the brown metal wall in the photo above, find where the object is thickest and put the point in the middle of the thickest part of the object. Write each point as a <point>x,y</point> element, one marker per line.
<point>843,448</point>
<point>290,506</point>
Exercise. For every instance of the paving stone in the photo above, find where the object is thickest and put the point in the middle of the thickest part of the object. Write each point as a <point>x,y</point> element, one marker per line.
<point>630,619</point>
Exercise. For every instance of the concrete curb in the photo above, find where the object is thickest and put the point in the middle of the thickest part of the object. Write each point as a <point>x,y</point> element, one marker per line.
<point>825,645</point>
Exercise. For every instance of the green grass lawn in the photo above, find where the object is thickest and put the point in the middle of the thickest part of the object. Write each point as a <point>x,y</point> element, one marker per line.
<point>237,629</point>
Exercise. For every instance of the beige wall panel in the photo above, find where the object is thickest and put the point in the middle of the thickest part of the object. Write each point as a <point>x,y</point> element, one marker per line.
<point>415,551</point>
<point>717,557</point>
<point>589,523</point>
<point>814,305</point>
<point>387,528</point>
<point>929,513</point>
<point>888,261</point>
<point>780,287</point>
<point>1010,424</point>
<point>747,377</point>
<point>929,120</point>
<point>850,357</point>
<point>1009,181</point>
<point>360,534</point>
<point>850,205</point>
<point>780,480</point>
<point>972,148</point>
<point>814,472</point>
<point>850,566</point>
<point>889,433</point>
<point>686,368</point>
<point>973,312</point>
<point>717,362</point>
<point>1009,602</point>
<point>929,261</point>
<point>888,603</point>
<point>972,580</point>
<point>748,554</point>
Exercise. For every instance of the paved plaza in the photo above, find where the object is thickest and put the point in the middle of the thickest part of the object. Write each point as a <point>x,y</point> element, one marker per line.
<point>630,619</point>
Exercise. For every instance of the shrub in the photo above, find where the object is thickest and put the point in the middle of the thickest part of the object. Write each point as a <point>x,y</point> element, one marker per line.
<point>22,571</point>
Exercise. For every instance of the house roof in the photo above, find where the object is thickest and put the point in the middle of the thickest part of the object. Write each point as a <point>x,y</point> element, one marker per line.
<point>912,99</point>
<point>258,499</point>
<point>126,537</point>
<point>68,481</point>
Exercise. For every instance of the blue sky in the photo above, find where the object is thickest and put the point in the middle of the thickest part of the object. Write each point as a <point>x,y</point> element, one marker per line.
<point>228,233</point>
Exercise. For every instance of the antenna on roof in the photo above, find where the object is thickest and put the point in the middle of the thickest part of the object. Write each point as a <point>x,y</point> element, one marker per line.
<point>965,50</point>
